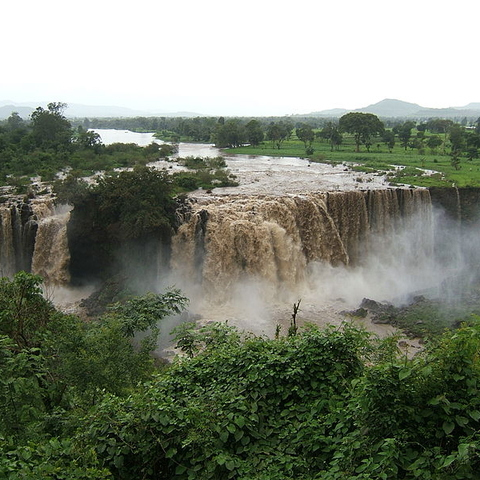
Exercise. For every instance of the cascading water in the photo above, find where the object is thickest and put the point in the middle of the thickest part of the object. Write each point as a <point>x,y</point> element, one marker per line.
<point>314,246</point>
<point>242,256</point>
<point>51,255</point>
<point>33,238</point>
<point>7,250</point>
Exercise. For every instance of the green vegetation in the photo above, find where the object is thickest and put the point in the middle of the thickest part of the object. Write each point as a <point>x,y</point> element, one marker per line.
<point>206,173</point>
<point>123,220</point>
<point>430,159</point>
<point>81,400</point>
<point>423,317</point>
<point>87,400</point>
<point>363,126</point>
<point>125,215</point>
<point>53,363</point>
<point>48,144</point>
<point>439,145</point>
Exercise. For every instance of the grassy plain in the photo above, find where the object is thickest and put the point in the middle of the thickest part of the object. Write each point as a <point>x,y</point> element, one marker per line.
<point>426,169</point>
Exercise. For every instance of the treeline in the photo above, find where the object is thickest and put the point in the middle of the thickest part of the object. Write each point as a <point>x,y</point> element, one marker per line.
<point>78,400</point>
<point>432,135</point>
<point>197,129</point>
<point>48,143</point>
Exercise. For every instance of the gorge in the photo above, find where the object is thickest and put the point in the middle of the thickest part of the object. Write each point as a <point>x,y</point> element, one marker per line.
<point>247,257</point>
<point>291,230</point>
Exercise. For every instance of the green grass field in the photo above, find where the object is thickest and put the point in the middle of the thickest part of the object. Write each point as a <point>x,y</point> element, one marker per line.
<point>380,160</point>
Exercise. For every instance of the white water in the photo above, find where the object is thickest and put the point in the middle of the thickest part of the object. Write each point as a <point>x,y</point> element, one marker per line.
<point>255,303</point>
<point>262,174</point>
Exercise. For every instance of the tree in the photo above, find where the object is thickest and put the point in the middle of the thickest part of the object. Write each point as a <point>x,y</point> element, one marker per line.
<point>51,362</point>
<point>24,312</point>
<point>433,142</point>
<point>120,224</point>
<point>388,138</point>
<point>332,133</point>
<point>455,160</point>
<point>279,132</point>
<point>473,144</point>
<point>306,134</point>
<point>28,387</point>
<point>363,126</point>
<point>229,134</point>
<point>439,125</point>
<point>88,140</point>
<point>50,128</point>
<point>254,132</point>
<point>457,138</point>
<point>404,132</point>
<point>15,121</point>
<point>132,204</point>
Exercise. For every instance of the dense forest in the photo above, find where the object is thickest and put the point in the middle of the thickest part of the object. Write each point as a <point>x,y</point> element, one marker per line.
<point>48,144</point>
<point>90,398</point>
<point>83,400</point>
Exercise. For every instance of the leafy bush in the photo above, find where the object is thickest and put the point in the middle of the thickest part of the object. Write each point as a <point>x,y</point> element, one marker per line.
<point>325,404</point>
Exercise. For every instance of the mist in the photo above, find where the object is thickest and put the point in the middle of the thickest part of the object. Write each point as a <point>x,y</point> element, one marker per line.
<point>246,259</point>
<point>424,252</point>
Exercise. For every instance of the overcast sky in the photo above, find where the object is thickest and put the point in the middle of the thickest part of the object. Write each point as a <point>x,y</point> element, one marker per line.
<point>252,57</point>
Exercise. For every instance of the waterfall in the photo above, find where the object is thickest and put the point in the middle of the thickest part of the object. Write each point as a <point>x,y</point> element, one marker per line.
<point>277,239</point>
<point>7,250</point>
<point>378,243</point>
<point>33,238</point>
<point>51,256</point>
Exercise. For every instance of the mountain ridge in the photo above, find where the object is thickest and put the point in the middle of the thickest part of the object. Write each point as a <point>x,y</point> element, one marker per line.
<point>398,108</point>
<point>385,108</point>
<point>77,110</point>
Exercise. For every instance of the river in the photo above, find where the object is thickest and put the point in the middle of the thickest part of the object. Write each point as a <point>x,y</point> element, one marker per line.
<point>261,175</point>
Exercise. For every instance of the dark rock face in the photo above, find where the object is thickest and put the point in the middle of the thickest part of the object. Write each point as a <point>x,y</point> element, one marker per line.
<point>460,204</point>
<point>381,312</point>
<point>100,251</point>
<point>91,255</point>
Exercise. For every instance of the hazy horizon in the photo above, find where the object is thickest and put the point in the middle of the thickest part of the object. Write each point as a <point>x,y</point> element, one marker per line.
<point>225,59</point>
<point>138,111</point>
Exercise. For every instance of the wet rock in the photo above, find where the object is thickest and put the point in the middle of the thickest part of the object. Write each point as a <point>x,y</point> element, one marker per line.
<point>359,313</point>
<point>371,305</point>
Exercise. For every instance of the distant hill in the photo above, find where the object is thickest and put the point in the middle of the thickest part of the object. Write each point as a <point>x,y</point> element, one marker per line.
<point>387,108</point>
<point>7,110</point>
<point>451,112</point>
<point>81,111</point>
<point>75,110</point>
<point>392,108</point>
<point>334,112</point>
<point>470,106</point>
<point>94,111</point>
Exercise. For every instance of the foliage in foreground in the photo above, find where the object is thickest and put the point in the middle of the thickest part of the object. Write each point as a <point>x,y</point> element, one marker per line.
<point>55,365</point>
<point>320,404</point>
